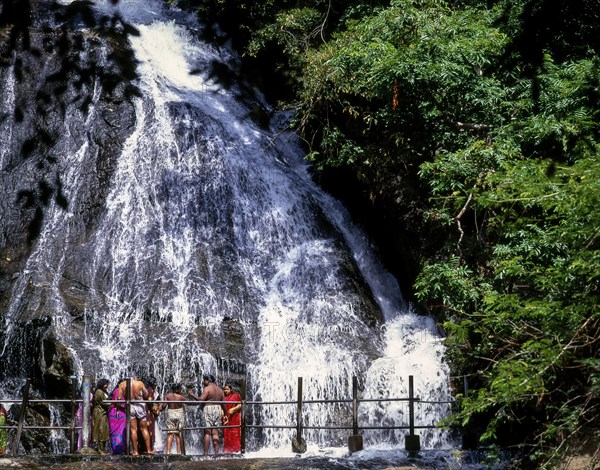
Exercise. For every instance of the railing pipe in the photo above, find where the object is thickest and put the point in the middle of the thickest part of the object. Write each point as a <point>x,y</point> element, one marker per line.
<point>21,416</point>
<point>86,431</point>
<point>412,442</point>
<point>298,443</point>
<point>128,417</point>
<point>73,440</point>
<point>360,400</point>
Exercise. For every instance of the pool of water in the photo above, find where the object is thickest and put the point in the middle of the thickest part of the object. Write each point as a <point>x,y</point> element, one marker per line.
<point>324,459</point>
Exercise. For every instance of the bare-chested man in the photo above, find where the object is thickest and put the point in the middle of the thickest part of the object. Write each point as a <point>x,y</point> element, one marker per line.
<point>175,417</point>
<point>137,413</point>
<point>213,414</point>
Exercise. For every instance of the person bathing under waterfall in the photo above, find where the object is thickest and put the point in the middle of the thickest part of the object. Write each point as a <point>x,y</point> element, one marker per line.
<point>175,417</point>
<point>213,414</point>
<point>117,422</point>
<point>3,433</point>
<point>232,437</point>
<point>100,433</point>
<point>138,414</point>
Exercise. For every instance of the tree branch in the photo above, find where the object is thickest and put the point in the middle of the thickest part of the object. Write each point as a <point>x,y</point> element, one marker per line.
<point>457,218</point>
<point>471,126</point>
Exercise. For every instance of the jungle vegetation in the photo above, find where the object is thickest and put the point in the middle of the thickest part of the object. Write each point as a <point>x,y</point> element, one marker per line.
<point>472,129</point>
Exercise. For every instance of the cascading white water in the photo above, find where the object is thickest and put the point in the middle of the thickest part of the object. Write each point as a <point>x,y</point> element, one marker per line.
<point>7,105</point>
<point>413,348</point>
<point>411,345</point>
<point>211,218</point>
<point>58,441</point>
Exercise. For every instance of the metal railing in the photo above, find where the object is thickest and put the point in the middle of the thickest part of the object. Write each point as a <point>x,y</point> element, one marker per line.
<point>412,440</point>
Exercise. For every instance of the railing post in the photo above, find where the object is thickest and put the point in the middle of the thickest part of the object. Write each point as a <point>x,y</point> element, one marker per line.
<point>298,443</point>
<point>25,390</point>
<point>355,441</point>
<point>243,418</point>
<point>469,439</point>
<point>86,432</point>
<point>73,413</point>
<point>182,440</point>
<point>354,405</point>
<point>411,405</point>
<point>412,442</point>
<point>128,417</point>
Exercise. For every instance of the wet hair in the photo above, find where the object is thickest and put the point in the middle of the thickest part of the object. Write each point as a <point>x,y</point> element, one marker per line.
<point>175,387</point>
<point>210,378</point>
<point>119,382</point>
<point>101,383</point>
<point>150,381</point>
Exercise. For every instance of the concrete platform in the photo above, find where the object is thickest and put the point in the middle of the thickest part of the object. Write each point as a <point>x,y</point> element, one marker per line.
<point>177,462</point>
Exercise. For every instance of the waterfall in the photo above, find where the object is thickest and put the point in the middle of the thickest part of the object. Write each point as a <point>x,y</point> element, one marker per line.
<point>7,105</point>
<point>59,444</point>
<point>215,243</point>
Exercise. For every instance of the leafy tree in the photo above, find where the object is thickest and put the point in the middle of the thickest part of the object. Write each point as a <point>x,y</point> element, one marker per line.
<point>532,330</point>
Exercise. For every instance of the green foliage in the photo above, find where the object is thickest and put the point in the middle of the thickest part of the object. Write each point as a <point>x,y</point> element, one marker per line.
<point>293,30</point>
<point>404,77</point>
<point>448,285</point>
<point>539,253</point>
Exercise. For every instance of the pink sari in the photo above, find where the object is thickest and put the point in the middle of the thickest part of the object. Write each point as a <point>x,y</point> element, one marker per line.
<point>117,425</point>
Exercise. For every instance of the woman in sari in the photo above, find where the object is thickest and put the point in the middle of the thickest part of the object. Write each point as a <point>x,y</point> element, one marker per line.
<point>117,423</point>
<point>99,416</point>
<point>232,437</point>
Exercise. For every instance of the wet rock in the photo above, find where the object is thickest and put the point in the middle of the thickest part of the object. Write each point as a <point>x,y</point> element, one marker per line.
<point>59,368</point>
<point>49,71</point>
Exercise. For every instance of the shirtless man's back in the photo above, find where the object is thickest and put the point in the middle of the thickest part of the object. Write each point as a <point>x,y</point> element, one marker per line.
<point>212,413</point>
<point>175,417</point>
<point>138,415</point>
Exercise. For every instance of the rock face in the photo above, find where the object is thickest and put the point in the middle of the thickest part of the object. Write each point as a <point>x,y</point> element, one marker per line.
<point>50,72</point>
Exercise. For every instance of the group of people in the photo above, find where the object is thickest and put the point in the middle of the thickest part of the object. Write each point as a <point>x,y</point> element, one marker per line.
<point>108,417</point>
<point>226,413</point>
<point>108,420</point>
